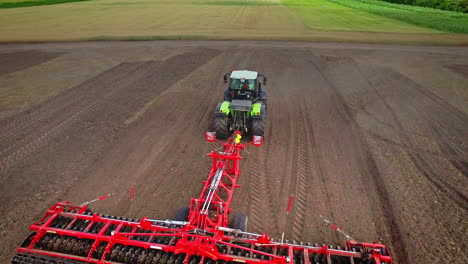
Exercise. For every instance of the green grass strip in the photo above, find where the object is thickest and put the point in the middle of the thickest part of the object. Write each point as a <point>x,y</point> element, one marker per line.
<point>36,3</point>
<point>427,17</point>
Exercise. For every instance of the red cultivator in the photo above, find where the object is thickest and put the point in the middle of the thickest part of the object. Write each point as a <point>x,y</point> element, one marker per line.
<point>199,235</point>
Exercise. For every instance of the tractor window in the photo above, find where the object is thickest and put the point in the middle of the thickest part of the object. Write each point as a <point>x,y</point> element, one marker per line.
<point>237,84</point>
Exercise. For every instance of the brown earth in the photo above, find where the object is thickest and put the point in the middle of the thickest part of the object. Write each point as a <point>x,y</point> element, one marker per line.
<point>364,135</point>
<point>16,61</point>
<point>461,69</point>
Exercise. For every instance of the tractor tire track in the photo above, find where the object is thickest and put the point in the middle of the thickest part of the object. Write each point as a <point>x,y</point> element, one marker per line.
<point>316,163</point>
<point>266,151</point>
<point>301,174</point>
<point>30,146</point>
<point>22,148</point>
<point>262,213</point>
<point>452,153</point>
<point>373,173</point>
<point>71,102</point>
<point>12,125</point>
<point>420,164</point>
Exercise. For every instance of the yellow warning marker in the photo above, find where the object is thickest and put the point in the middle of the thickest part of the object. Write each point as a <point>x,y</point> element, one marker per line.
<point>238,138</point>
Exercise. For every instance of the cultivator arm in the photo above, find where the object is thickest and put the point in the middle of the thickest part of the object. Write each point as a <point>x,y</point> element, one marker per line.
<point>73,234</point>
<point>212,208</point>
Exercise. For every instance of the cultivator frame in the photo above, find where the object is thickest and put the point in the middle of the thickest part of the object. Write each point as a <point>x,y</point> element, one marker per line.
<point>73,234</point>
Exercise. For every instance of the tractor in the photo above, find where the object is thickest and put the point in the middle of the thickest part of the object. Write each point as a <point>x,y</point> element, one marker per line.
<point>244,106</point>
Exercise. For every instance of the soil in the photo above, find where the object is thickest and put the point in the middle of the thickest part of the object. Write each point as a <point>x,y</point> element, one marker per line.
<point>15,61</point>
<point>461,69</point>
<point>357,140</point>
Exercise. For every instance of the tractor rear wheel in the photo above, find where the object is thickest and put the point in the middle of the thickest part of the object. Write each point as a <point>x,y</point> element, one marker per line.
<point>182,214</point>
<point>258,127</point>
<point>239,221</point>
<point>221,127</point>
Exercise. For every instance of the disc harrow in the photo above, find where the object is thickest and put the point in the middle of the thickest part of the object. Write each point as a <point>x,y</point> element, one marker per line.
<point>70,234</point>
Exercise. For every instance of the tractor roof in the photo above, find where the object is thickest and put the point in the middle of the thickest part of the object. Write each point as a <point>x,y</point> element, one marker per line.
<point>250,75</point>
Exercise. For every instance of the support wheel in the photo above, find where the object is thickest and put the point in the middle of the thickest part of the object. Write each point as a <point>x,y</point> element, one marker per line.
<point>239,221</point>
<point>182,214</point>
<point>221,127</point>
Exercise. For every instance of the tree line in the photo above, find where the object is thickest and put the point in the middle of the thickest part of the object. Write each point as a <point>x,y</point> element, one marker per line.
<point>451,5</point>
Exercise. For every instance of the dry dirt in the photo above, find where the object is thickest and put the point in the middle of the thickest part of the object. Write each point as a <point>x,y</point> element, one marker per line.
<point>373,137</point>
<point>15,61</point>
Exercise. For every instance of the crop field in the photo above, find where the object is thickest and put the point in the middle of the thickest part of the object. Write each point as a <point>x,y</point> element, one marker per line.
<point>15,1</point>
<point>211,19</point>
<point>326,15</point>
<point>27,3</point>
<point>146,18</point>
<point>428,17</point>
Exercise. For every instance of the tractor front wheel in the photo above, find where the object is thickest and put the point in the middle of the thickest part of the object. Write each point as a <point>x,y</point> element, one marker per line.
<point>221,127</point>
<point>263,98</point>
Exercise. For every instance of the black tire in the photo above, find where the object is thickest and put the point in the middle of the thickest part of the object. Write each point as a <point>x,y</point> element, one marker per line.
<point>258,127</point>
<point>263,98</point>
<point>227,95</point>
<point>182,214</point>
<point>239,221</point>
<point>221,127</point>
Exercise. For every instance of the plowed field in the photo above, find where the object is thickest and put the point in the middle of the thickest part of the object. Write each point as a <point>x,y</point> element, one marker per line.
<point>374,138</point>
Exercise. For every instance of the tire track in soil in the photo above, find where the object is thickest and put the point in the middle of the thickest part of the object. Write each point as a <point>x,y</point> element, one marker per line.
<point>315,162</point>
<point>72,113</point>
<point>67,105</point>
<point>301,173</point>
<point>415,158</point>
<point>400,248</point>
<point>451,192</point>
<point>261,210</point>
<point>43,139</point>
<point>451,151</point>
<point>12,125</point>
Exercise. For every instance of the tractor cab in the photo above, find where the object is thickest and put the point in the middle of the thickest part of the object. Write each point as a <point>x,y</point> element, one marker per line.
<point>243,85</point>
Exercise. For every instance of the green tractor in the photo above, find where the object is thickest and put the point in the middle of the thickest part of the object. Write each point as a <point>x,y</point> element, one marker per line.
<point>244,106</point>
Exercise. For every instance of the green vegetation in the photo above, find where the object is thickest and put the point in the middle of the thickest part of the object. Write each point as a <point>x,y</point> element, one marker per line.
<point>15,4</point>
<point>11,1</point>
<point>326,15</point>
<point>6,1</point>
<point>422,16</point>
<point>450,5</point>
<point>304,20</point>
<point>239,3</point>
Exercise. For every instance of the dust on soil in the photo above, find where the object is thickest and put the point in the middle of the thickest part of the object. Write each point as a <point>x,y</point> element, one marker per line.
<point>357,142</point>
